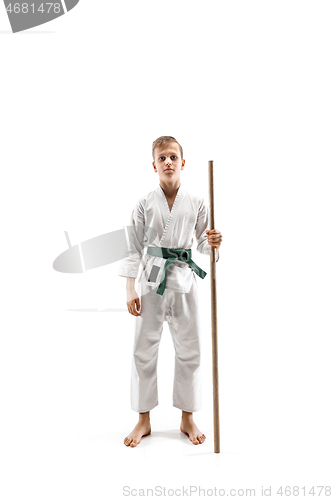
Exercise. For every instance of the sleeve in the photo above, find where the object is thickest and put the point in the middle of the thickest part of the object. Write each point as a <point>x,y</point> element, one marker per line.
<point>135,231</point>
<point>200,231</point>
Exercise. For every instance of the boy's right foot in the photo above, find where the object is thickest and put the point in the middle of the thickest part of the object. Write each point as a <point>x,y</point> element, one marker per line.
<point>142,428</point>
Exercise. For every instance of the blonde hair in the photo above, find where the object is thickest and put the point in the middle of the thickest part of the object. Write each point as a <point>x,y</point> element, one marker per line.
<point>164,139</point>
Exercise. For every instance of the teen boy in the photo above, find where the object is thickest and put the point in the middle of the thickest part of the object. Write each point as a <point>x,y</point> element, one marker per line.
<point>168,289</point>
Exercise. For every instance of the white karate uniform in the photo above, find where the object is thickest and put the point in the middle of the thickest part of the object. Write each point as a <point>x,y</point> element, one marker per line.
<point>152,224</point>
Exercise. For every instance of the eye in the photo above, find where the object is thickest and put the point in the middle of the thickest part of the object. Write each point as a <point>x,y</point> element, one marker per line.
<point>174,156</point>
<point>161,158</point>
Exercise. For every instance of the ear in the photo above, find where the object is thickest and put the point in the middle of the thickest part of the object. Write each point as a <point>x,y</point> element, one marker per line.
<point>155,169</point>
<point>183,164</point>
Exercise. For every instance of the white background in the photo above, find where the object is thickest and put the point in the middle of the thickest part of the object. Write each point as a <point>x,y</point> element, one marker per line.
<point>247,84</point>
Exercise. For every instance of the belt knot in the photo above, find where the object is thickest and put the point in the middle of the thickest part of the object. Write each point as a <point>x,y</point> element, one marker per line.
<point>173,254</point>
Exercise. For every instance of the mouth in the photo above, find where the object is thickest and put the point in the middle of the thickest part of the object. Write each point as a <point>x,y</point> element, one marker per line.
<point>168,169</point>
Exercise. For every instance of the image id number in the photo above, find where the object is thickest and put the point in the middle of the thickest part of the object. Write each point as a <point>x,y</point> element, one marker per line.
<point>26,8</point>
<point>302,491</point>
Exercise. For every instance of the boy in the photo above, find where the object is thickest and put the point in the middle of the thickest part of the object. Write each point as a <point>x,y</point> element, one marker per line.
<point>168,289</point>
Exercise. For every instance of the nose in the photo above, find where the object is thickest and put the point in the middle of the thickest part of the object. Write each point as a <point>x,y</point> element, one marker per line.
<point>168,161</point>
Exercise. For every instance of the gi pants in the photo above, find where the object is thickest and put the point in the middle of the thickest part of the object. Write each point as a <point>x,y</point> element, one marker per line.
<point>180,310</point>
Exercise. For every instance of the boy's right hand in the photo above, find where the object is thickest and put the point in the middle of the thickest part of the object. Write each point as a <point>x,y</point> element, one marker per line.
<point>133,302</point>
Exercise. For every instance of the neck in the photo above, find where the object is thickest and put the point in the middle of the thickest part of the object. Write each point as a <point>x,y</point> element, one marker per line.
<point>170,189</point>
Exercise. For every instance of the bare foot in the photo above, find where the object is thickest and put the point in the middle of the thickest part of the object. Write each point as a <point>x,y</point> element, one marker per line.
<point>142,428</point>
<point>188,426</point>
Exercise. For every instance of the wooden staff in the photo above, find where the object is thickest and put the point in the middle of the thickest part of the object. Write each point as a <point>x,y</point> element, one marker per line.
<point>214,315</point>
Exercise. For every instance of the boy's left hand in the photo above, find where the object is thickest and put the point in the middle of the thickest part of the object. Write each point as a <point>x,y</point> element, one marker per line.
<point>214,238</point>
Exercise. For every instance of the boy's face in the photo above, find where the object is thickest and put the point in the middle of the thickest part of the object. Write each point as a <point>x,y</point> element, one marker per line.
<point>168,163</point>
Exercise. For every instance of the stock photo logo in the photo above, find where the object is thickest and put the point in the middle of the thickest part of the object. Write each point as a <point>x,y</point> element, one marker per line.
<point>102,250</point>
<point>26,15</point>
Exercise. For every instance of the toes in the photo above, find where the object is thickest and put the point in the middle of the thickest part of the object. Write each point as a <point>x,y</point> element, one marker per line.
<point>134,443</point>
<point>127,441</point>
<point>195,441</point>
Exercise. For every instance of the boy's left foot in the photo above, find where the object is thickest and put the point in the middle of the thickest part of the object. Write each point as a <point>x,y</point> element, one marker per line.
<point>188,426</point>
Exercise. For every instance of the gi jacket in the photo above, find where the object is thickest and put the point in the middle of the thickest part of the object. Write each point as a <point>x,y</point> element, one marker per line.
<point>153,224</point>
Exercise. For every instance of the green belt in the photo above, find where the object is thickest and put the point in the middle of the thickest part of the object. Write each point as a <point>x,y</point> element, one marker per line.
<point>172,254</point>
